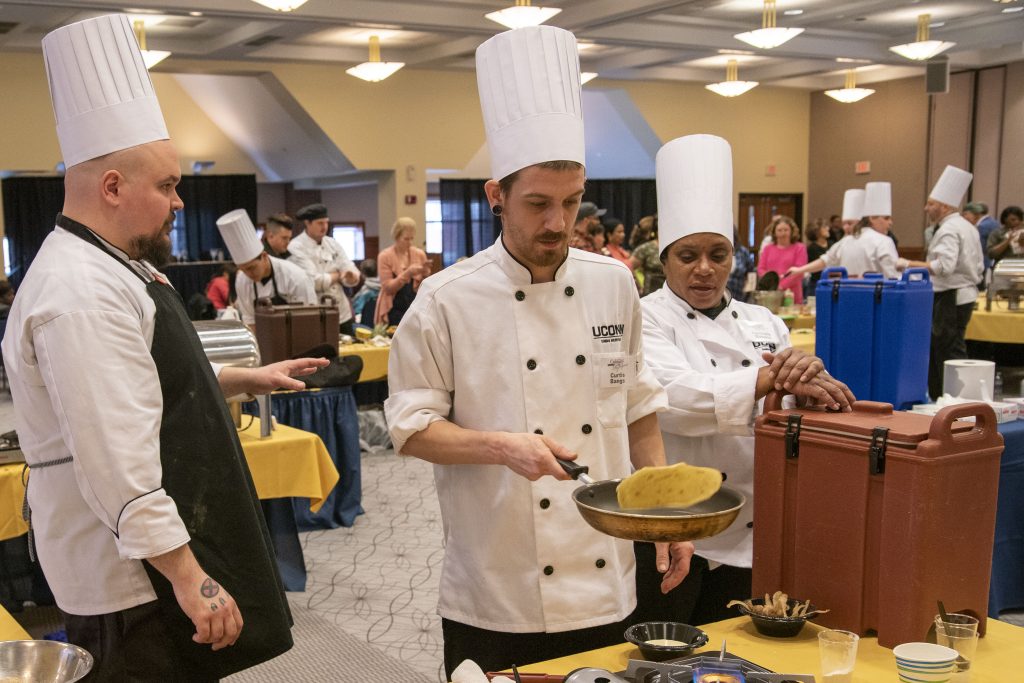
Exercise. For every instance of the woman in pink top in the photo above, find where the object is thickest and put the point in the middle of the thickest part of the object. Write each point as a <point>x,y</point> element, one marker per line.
<point>783,252</point>
<point>401,268</point>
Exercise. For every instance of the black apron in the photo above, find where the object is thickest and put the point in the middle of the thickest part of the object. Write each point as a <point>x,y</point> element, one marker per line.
<point>205,473</point>
<point>401,303</point>
<point>277,299</point>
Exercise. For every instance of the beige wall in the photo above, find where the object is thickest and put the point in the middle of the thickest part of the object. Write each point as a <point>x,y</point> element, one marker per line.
<point>890,130</point>
<point>1011,175</point>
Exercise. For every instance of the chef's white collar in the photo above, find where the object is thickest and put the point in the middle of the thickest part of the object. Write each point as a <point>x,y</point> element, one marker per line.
<point>516,271</point>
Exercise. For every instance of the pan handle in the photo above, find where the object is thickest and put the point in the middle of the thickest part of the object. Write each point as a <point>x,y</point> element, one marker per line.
<point>577,472</point>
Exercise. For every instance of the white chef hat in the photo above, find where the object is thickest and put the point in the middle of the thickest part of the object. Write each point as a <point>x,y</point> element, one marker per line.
<point>694,183</point>
<point>952,186</point>
<point>877,199</point>
<point>103,99</point>
<point>240,236</point>
<point>853,205</point>
<point>529,85</point>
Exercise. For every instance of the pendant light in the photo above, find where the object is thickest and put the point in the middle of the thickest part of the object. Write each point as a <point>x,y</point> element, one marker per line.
<point>922,48</point>
<point>769,35</point>
<point>149,57</point>
<point>731,86</point>
<point>281,5</point>
<point>522,14</point>
<point>374,70</point>
<point>850,93</point>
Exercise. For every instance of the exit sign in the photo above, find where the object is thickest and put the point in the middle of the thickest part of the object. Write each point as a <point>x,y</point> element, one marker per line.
<point>862,167</point>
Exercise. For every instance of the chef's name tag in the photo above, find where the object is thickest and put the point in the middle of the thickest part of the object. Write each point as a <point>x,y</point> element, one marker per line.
<point>758,331</point>
<point>616,370</point>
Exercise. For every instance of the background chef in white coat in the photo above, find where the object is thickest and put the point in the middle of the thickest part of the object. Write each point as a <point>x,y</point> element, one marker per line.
<point>868,248</point>
<point>956,265</point>
<point>260,275</point>
<point>527,351</point>
<point>325,261</point>
<point>717,358</point>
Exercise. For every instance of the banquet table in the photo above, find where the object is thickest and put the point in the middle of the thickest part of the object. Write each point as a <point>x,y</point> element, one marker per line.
<point>375,360</point>
<point>997,659</point>
<point>998,325</point>
<point>290,464</point>
<point>803,339</point>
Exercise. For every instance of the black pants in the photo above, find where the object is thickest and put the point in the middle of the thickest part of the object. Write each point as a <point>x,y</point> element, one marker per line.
<point>699,599</point>
<point>497,651</point>
<point>130,645</point>
<point>949,325</point>
<point>348,327</point>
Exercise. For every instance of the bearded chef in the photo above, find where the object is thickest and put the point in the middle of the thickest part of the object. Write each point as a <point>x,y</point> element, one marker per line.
<point>868,248</point>
<point>144,515</point>
<point>956,265</point>
<point>717,358</point>
<point>526,352</point>
<point>260,275</point>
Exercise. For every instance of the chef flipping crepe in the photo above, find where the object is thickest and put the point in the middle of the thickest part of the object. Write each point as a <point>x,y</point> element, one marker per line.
<point>145,519</point>
<point>527,351</point>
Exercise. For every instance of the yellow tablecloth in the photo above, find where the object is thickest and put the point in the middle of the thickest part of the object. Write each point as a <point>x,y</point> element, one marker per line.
<point>803,339</point>
<point>10,629</point>
<point>997,659</point>
<point>997,325</point>
<point>798,322</point>
<point>291,463</point>
<point>375,359</point>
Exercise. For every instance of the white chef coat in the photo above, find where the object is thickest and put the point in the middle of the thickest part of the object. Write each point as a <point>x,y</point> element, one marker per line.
<point>319,261</point>
<point>293,285</point>
<point>709,369</point>
<point>484,348</point>
<point>955,259</point>
<point>868,251</point>
<point>77,352</point>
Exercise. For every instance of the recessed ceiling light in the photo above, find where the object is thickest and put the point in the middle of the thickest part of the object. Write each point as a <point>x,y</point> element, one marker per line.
<point>793,12</point>
<point>936,24</point>
<point>195,14</point>
<point>851,60</point>
<point>1009,10</point>
<point>734,52</point>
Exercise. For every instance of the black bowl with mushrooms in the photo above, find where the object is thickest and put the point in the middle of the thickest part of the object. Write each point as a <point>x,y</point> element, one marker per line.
<point>776,621</point>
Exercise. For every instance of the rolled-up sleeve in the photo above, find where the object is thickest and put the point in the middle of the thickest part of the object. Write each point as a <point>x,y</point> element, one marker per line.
<point>107,399</point>
<point>420,375</point>
<point>699,403</point>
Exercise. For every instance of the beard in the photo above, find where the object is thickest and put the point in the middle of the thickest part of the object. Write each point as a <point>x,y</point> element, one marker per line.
<point>156,250</point>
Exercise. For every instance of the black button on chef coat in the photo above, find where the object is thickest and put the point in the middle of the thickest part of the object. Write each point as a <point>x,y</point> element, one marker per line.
<point>581,359</point>
<point>545,503</point>
<point>520,295</point>
<point>587,429</point>
<point>599,564</point>
<point>549,570</point>
<point>569,291</point>
<point>746,363</point>
<point>531,364</point>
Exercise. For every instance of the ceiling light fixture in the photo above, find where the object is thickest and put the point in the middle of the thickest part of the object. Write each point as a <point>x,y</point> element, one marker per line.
<point>281,5</point>
<point>587,76</point>
<point>374,70</point>
<point>731,86</point>
<point>1011,10</point>
<point>149,57</point>
<point>793,12</point>
<point>850,93</point>
<point>769,35</point>
<point>922,48</point>
<point>522,14</point>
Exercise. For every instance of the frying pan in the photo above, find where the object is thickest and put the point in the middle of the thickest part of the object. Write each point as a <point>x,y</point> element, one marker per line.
<point>599,506</point>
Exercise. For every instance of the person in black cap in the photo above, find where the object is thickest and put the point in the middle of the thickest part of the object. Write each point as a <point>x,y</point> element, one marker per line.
<point>325,261</point>
<point>589,216</point>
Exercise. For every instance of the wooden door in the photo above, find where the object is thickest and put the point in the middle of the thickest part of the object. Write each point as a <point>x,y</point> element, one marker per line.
<point>756,211</point>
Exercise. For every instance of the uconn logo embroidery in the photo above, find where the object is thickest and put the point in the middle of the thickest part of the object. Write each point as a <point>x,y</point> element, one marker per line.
<point>608,334</point>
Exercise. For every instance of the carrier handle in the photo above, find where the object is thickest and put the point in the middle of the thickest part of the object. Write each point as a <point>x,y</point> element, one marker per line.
<point>916,275</point>
<point>773,400</point>
<point>875,407</point>
<point>834,272</point>
<point>942,424</point>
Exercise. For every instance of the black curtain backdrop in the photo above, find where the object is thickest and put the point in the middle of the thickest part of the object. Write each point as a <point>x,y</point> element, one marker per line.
<point>466,221</point>
<point>628,200</point>
<point>207,198</point>
<point>31,206</point>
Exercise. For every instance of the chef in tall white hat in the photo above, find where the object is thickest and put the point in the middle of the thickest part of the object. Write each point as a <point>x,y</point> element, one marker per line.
<point>528,351</point>
<point>853,209</point>
<point>956,265</point>
<point>143,512</point>
<point>717,358</point>
<point>260,275</point>
<point>868,248</point>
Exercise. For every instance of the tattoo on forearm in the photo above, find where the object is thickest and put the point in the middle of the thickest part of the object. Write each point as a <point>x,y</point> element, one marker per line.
<point>209,588</point>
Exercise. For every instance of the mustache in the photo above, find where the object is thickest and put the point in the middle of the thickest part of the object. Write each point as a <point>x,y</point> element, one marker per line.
<point>551,236</point>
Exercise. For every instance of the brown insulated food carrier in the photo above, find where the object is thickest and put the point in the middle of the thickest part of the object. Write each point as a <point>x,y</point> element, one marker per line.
<point>283,332</point>
<point>876,515</point>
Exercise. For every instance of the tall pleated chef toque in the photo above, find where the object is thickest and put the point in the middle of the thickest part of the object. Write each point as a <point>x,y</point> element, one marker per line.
<point>529,85</point>
<point>240,236</point>
<point>951,186</point>
<point>103,98</point>
<point>877,199</point>
<point>694,183</point>
<point>853,205</point>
